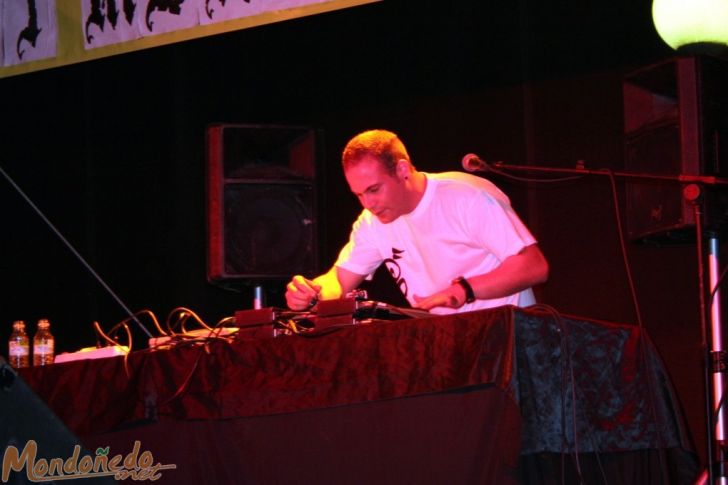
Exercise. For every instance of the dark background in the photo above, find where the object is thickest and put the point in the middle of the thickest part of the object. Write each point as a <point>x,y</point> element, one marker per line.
<point>113,152</point>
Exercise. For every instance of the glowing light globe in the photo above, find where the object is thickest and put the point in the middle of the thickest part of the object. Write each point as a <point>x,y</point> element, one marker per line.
<point>692,24</point>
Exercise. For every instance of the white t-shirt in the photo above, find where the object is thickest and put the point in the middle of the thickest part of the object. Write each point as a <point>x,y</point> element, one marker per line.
<point>463,225</point>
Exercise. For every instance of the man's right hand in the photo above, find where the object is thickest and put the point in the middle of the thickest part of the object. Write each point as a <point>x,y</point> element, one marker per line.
<point>302,293</point>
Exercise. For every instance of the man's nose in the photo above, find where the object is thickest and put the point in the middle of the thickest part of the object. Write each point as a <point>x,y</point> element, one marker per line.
<point>367,201</point>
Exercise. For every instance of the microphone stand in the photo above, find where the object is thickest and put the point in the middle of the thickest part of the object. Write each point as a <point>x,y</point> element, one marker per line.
<point>90,269</point>
<point>717,358</point>
<point>681,178</point>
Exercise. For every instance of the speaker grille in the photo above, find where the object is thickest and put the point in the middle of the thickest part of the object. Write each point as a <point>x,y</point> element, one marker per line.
<point>656,208</point>
<point>268,229</point>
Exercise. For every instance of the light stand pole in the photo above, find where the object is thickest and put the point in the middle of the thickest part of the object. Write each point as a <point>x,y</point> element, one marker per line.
<point>718,354</point>
<point>715,358</point>
<point>717,365</point>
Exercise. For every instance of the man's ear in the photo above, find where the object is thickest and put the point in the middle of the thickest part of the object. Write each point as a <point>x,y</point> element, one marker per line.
<point>403,169</point>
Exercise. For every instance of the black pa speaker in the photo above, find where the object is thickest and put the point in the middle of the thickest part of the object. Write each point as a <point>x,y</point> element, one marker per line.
<point>676,123</point>
<point>27,424</point>
<point>261,202</point>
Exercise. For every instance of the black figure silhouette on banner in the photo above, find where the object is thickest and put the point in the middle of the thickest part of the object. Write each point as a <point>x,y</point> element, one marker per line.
<point>31,31</point>
<point>96,17</point>
<point>171,6</point>
<point>112,12</point>
<point>209,11</point>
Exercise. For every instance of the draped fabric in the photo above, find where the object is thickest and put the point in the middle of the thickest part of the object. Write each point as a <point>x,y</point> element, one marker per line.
<point>591,387</point>
<point>245,378</point>
<point>459,396</point>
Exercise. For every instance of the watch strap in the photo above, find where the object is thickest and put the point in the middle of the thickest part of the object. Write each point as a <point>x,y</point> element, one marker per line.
<point>469,293</point>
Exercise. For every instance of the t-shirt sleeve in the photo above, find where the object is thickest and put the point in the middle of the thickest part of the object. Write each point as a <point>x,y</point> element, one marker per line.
<point>360,255</point>
<point>494,224</point>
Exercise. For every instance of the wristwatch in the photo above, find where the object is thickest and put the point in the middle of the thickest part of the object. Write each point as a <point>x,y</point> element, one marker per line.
<point>469,293</point>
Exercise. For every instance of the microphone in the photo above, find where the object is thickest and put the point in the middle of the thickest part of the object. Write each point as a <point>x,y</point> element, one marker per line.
<point>473,163</point>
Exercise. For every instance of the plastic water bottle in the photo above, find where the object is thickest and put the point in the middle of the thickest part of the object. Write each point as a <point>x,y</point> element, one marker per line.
<point>43,344</point>
<point>19,346</point>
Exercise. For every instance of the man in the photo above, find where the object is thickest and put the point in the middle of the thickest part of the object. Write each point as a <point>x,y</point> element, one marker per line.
<point>451,240</point>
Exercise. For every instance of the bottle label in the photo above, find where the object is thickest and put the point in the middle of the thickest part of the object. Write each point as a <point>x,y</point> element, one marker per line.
<point>43,349</point>
<point>18,350</point>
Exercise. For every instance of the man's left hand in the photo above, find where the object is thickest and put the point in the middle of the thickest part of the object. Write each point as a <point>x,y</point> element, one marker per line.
<point>451,297</point>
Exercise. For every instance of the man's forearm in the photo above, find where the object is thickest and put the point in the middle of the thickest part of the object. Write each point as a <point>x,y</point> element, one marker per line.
<point>516,273</point>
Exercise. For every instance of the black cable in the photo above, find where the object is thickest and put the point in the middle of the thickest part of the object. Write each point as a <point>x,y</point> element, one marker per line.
<point>185,383</point>
<point>718,284</point>
<point>651,388</point>
<point>566,354</point>
<point>623,247</point>
<point>710,418</point>
<point>529,180</point>
<point>630,280</point>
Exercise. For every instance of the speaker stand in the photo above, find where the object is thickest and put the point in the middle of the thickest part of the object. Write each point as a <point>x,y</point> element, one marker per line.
<point>715,356</point>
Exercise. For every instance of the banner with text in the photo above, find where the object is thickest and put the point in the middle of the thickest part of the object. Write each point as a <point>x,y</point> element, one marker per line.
<point>40,34</point>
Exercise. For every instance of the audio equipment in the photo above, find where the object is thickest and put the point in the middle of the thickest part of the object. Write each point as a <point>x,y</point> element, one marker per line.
<point>261,201</point>
<point>676,123</point>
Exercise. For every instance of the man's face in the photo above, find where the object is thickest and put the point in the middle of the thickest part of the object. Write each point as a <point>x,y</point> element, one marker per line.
<point>379,191</point>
